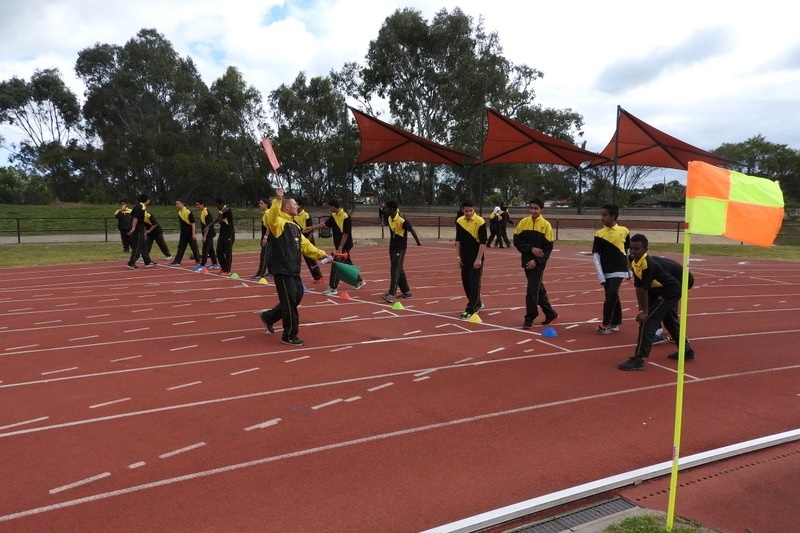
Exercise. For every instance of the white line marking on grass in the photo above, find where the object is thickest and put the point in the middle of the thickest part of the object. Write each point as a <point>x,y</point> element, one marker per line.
<point>21,347</point>
<point>263,425</point>
<point>84,338</point>
<point>176,387</point>
<point>79,483</point>
<point>233,339</point>
<point>135,330</point>
<point>379,387</point>
<point>327,404</point>
<point>495,350</point>
<point>58,371</point>
<point>340,349</point>
<point>179,348</point>
<point>244,371</point>
<point>297,359</point>
<point>32,421</point>
<point>184,323</point>
<point>413,332</point>
<point>137,465</point>
<point>108,403</point>
<point>181,450</point>
<point>125,358</point>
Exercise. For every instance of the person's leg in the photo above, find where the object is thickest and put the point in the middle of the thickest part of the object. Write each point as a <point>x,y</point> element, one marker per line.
<point>195,251</point>
<point>612,309</point>
<point>534,278</point>
<point>394,264</point>
<point>474,299</point>
<point>672,325</point>
<point>544,302</point>
<point>182,242</point>
<point>145,249</point>
<point>402,281</point>
<point>162,244</point>
<point>135,249</point>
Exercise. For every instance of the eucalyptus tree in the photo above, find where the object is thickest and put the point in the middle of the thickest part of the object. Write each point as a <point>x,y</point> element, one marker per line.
<point>758,157</point>
<point>316,141</point>
<point>141,99</point>
<point>48,116</point>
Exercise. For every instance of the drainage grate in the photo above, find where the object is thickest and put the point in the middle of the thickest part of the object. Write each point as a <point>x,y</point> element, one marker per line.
<point>572,520</point>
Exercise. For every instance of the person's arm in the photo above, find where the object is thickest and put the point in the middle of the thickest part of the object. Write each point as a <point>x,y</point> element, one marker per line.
<point>642,300</point>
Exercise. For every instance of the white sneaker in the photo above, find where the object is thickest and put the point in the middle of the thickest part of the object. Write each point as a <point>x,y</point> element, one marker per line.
<point>168,258</point>
<point>360,284</point>
<point>330,291</point>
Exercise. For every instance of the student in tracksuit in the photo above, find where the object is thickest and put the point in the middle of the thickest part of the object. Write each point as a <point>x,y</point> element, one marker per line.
<point>533,238</point>
<point>470,247</point>
<point>154,233</point>
<point>207,236</point>
<point>137,234</point>
<point>288,245</point>
<point>657,294</point>
<point>342,231</point>
<point>227,235</point>
<point>263,257</point>
<point>610,254</point>
<point>188,234</point>
<point>302,219</point>
<point>399,228</point>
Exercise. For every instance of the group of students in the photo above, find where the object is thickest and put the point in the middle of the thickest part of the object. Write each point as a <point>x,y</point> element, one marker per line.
<point>139,229</point>
<point>616,255</point>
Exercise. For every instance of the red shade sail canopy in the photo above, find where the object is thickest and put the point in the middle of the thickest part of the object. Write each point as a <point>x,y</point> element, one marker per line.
<point>384,143</point>
<point>508,141</point>
<point>637,143</point>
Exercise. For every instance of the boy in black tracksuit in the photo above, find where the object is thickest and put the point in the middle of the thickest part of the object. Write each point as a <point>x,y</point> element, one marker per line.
<point>470,247</point>
<point>154,233</point>
<point>208,236</point>
<point>657,293</point>
<point>123,216</point>
<point>227,236</point>
<point>610,254</point>
<point>399,228</point>
<point>533,238</point>
<point>137,234</point>
<point>342,231</point>
<point>288,245</point>
<point>188,234</point>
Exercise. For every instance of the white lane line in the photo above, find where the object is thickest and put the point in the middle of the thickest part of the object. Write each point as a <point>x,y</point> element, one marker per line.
<point>462,361</point>
<point>379,387</point>
<point>354,398</point>
<point>176,387</point>
<point>141,310</point>
<point>58,371</point>
<point>137,465</point>
<point>340,349</point>
<point>108,403</point>
<point>413,332</point>
<point>423,378</point>
<point>432,302</point>
<point>297,359</point>
<point>244,371</point>
<point>233,339</point>
<point>524,341</point>
<point>424,372</point>
<point>351,317</point>
<point>225,316</point>
<point>181,305</point>
<point>184,323</point>
<point>572,326</point>
<point>326,404</point>
<point>79,483</point>
<point>32,421</point>
<point>108,300</point>
<point>21,347</point>
<point>125,358</point>
<point>48,322</point>
<point>263,425</point>
<point>179,348</point>
<point>98,316</point>
<point>84,338</point>
<point>135,330</point>
<point>67,305</point>
<point>495,350</point>
<point>181,450</point>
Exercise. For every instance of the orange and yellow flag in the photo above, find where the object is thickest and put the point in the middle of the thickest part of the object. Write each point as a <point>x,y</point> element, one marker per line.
<point>740,207</point>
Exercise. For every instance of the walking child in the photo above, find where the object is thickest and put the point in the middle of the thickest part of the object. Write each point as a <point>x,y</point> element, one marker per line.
<point>301,219</point>
<point>207,237</point>
<point>137,234</point>
<point>124,221</point>
<point>533,238</point>
<point>470,247</point>
<point>342,231</point>
<point>188,234</point>
<point>227,235</point>
<point>610,254</point>
<point>399,228</point>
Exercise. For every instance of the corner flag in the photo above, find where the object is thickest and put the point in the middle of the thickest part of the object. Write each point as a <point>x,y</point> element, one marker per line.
<point>273,159</point>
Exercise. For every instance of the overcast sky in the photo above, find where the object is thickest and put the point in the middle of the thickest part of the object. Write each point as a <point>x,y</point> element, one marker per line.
<point>705,72</point>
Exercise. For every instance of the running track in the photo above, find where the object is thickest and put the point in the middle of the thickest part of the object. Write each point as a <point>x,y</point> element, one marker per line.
<point>153,400</point>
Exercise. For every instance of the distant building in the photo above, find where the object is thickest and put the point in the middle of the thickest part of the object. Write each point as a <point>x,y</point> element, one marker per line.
<point>650,201</point>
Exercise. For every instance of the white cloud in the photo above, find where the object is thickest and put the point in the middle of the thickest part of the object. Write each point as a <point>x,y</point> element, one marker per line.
<point>705,73</point>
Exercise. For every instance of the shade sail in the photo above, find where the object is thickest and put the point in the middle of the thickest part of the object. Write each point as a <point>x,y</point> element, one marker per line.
<point>637,143</point>
<point>509,141</point>
<point>384,143</point>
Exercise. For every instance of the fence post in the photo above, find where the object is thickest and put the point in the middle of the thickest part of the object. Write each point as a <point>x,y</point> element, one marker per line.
<point>105,227</point>
<point>678,232</point>
<point>19,235</point>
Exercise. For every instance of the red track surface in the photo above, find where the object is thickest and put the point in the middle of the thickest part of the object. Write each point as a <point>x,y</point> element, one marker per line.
<point>153,400</point>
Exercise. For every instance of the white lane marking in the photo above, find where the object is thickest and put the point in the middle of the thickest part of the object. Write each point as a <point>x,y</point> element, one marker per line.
<point>176,387</point>
<point>135,330</point>
<point>244,371</point>
<point>108,403</point>
<point>225,316</point>
<point>495,350</point>
<point>49,322</point>
<point>418,374</point>
<point>524,341</point>
<point>354,398</point>
<point>184,323</point>
<point>179,348</point>
<point>233,339</point>
<point>21,347</point>
<point>84,338</point>
<point>125,358</point>
<point>32,421</point>
<point>79,483</point>
<point>349,317</point>
<point>141,310</point>
<point>462,361</point>
<point>297,359</point>
<point>423,378</point>
<point>137,465</point>
<point>379,387</point>
<point>181,450</point>
<point>98,316</point>
<point>67,304</point>
<point>58,371</point>
<point>413,332</point>
<point>263,425</point>
<point>340,349</point>
<point>326,404</point>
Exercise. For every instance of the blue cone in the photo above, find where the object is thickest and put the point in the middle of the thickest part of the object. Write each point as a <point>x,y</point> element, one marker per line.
<point>549,332</point>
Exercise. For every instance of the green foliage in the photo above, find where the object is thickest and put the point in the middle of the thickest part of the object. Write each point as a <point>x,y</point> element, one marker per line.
<point>652,524</point>
<point>758,157</point>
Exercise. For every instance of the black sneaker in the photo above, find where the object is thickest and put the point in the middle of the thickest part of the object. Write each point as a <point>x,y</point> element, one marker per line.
<point>549,319</point>
<point>133,267</point>
<point>634,363</point>
<point>292,341</point>
<point>406,294</point>
<point>688,355</point>
<point>267,325</point>
<point>527,325</point>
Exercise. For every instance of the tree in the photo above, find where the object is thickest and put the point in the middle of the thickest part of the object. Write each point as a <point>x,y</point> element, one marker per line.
<point>316,141</point>
<point>758,157</point>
